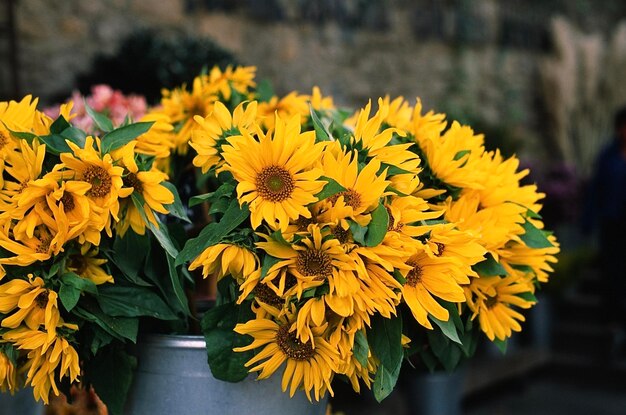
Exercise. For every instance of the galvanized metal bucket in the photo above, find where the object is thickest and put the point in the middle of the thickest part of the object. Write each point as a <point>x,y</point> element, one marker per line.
<point>438,393</point>
<point>173,377</point>
<point>21,403</point>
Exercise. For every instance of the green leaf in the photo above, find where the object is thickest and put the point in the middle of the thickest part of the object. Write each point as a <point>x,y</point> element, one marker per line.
<point>501,344</point>
<point>176,209</point>
<point>81,284</point>
<point>121,136</point>
<point>118,327</point>
<point>75,135</point>
<point>217,326</point>
<point>385,341</point>
<point>111,374</point>
<point>130,301</point>
<point>177,285</point>
<point>377,228</point>
<point>528,296</point>
<point>385,381</point>
<point>358,232</point>
<point>268,262</point>
<point>264,90</point>
<point>160,232</point>
<point>321,131</point>
<point>225,190</point>
<point>129,254</point>
<point>29,137</point>
<point>102,121</point>
<point>534,237</point>
<point>330,189</point>
<point>448,328</point>
<point>214,232</point>
<point>55,144</point>
<point>59,125</point>
<point>361,348</point>
<point>69,296</point>
<point>489,267</point>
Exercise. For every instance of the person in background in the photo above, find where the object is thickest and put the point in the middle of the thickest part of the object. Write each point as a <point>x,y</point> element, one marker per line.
<point>606,211</point>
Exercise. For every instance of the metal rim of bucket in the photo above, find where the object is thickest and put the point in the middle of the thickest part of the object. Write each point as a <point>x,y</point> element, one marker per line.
<point>175,341</point>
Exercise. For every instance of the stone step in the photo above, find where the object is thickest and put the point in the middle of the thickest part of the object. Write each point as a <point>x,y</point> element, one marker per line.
<point>583,339</point>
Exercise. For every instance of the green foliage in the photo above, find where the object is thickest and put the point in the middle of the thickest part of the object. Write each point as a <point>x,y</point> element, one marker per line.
<point>489,267</point>
<point>217,326</point>
<point>385,341</point>
<point>534,237</point>
<point>123,135</point>
<point>111,374</point>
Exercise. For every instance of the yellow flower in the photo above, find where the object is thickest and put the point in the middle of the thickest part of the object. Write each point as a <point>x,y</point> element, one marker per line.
<point>287,107</point>
<point>319,102</point>
<point>537,259</point>
<point>88,265</point>
<point>364,189</point>
<point>148,184</point>
<point>8,374</point>
<point>307,367</point>
<point>241,79</point>
<point>368,133</point>
<point>427,126</point>
<point>23,166</point>
<point>226,259</point>
<point>47,359</point>
<point>275,175</point>
<point>309,263</point>
<point>210,136</point>
<point>429,278</point>
<point>159,141</point>
<point>455,157</point>
<point>399,114</point>
<point>28,250</point>
<point>491,298</point>
<point>89,165</point>
<point>35,304</point>
<point>15,116</point>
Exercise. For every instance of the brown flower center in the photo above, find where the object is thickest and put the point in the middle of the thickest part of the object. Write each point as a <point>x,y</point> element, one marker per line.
<point>266,295</point>
<point>68,202</point>
<point>42,299</point>
<point>131,180</point>
<point>44,245</point>
<point>350,197</point>
<point>99,179</point>
<point>4,139</point>
<point>314,263</point>
<point>78,263</point>
<point>342,235</point>
<point>291,346</point>
<point>275,184</point>
<point>415,275</point>
<point>440,248</point>
<point>491,301</point>
<point>303,223</point>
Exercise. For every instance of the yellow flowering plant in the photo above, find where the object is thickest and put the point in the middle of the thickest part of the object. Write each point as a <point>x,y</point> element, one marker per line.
<point>82,249</point>
<point>344,242</point>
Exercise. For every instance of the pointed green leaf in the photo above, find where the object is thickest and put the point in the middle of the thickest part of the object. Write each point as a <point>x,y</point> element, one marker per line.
<point>177,285</point>
<point>447,327</point>
<point>377,228</point>
<point>361,348</point>
<point>330,189</point>
<point>123,135</point>
<point>176,209</point>
<point>103,123</point>
<point>214,232</point>
<point>534,237</point>
<point>489,267</point>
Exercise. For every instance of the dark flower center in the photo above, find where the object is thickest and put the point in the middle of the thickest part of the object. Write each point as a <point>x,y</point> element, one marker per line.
<point>266,295</point>
<point>491,301</point>
<point>415,274</point>
<point>275,184</point>
<point>440,248</point>
<point>79,263</point>
<point>131,180</point>
<point>99,179</point>
<point>42,299</point>
<point>68,202</point>
<point>291,346</point>
<point>44,245</point>
<point>314,263</point>
<point>350,197</point>
<point>4,140</point>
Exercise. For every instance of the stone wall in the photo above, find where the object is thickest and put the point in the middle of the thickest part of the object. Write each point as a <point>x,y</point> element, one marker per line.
<point>477,59</point>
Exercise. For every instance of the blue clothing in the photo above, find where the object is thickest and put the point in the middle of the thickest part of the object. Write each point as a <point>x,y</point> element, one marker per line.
<point>607,196</point>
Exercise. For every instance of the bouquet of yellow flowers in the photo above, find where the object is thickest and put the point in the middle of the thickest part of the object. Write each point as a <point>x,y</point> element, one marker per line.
<point>341,242</point>
<point>344,242</point>
<point>80,245</point>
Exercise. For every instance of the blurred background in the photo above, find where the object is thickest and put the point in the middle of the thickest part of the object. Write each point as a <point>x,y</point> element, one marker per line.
<point>541,79</point>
